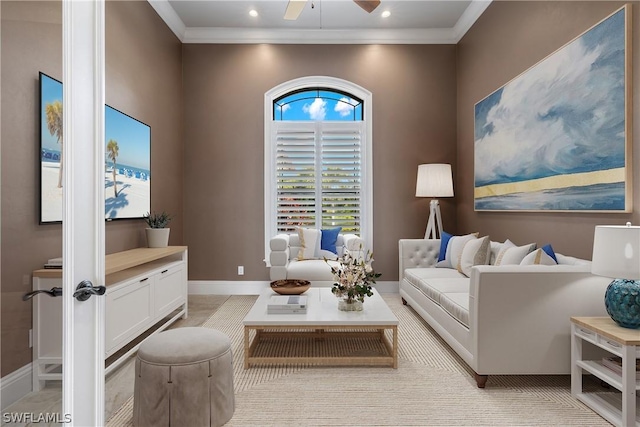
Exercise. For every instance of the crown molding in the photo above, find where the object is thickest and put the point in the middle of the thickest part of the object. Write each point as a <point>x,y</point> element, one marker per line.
<point>170,17</point>
<point>469,17</point>
<point>319,36</point>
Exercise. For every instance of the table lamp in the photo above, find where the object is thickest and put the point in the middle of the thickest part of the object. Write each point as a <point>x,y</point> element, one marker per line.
<point>616,254</point>
<point>434,180</point>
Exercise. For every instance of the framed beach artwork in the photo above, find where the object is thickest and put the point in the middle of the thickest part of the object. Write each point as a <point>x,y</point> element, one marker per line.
<point>558,136</point>
<point>127,175</point>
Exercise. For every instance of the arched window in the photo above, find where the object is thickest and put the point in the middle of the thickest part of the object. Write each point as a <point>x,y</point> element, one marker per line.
<point>318,157</point>
<point>321,103</point>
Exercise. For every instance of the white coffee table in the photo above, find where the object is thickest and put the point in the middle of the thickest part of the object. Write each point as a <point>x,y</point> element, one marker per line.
<point>322,321</point>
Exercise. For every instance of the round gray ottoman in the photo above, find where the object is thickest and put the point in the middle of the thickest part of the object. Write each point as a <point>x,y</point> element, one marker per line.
<point>184,377</point>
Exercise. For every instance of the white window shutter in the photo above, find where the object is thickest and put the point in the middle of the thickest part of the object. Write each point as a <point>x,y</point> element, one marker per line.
<point>295,176</point>
<point>341,176</point>
<point>318,175</point>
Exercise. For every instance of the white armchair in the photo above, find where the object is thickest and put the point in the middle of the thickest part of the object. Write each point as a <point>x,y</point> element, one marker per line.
<point>283,258</point>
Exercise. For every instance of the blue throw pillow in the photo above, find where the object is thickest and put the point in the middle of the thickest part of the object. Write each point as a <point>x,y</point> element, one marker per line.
<point>549,251</point>
<point>329,239</point>
<point>444,241</point>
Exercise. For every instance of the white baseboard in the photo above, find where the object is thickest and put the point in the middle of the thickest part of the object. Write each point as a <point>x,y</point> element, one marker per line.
<point>225,287</point>
<point>15,386</point>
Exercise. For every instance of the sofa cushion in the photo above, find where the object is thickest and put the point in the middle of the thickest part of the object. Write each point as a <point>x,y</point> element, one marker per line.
<point>475,252</point>
<point>435,288</point>
<point>309,243</point>
<point>549,250</point>
<point>311,269</point>
<point>454,250</point>
<point>444,241</point>
<point>416,275</point>
<point>495,250</point>
<point>510,254</point>
<point>329,239</point>
<point>457,305</point>
<point>538,257</point>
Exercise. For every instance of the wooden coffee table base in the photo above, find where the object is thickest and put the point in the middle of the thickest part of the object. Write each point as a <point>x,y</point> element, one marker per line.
<point>321,333</point>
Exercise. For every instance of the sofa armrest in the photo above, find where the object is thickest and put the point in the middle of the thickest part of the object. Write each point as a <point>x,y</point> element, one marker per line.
<point>522,313</point>
<point>353,242</point>
<point>354,245</point>
<point>279,255</point>
<point>414,253</point>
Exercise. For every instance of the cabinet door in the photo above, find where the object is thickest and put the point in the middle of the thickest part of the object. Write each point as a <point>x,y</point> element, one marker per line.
<point>129,312</point>
<point>170,290</point>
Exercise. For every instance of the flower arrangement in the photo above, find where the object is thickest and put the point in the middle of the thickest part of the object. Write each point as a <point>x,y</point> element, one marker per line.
<point>354,277</point>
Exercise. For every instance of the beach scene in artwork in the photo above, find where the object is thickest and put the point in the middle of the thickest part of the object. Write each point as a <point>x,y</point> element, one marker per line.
<point>127,175</point>
<point>554,138</point>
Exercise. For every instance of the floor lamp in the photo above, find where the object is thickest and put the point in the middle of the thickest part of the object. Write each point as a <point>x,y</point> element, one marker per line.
<point>434,180</point>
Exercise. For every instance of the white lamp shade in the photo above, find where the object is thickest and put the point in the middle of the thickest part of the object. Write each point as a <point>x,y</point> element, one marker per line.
<point>616,252</point>
<point>434,180</point>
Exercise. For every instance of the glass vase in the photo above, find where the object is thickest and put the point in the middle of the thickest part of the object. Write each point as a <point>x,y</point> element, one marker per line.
<point>349,305</point>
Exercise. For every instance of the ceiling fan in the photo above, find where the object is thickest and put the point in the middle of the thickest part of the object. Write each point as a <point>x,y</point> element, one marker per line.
<point>294,8</point>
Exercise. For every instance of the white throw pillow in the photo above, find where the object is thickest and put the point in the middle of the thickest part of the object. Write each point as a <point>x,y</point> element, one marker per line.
<point>309,243</point>
<point>511,254</point>
<point>455,247</point>
<point>475,252</point>
<point>538,257</point>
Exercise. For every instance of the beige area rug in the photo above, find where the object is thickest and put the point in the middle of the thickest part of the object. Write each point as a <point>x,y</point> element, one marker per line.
<point>431,387</point>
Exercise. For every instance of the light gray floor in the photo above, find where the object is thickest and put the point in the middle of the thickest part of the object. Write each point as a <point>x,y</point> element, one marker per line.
<point>119,384</point>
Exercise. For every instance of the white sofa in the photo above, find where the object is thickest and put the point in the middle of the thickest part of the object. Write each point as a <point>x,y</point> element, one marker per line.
<point>511,319</point>
<point>284,264</point>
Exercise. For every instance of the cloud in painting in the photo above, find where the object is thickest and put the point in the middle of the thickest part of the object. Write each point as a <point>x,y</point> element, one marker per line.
<point>344,107</point>
<point>285,107</point>
<point>317,110</point>
<point>564,115</point>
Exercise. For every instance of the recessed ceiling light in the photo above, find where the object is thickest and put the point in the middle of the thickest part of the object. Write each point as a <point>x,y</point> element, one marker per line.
<point>253,13</point>
<point>386,14</point>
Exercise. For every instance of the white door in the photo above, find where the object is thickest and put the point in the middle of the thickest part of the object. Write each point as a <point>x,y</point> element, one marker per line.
<point>83,216</point>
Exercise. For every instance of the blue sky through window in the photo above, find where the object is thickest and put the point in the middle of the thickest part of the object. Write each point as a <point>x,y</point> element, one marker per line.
<point>317,105</point>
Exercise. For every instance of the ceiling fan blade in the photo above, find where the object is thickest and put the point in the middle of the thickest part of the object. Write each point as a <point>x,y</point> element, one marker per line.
<point>294,9</point>
<point>368,5</point>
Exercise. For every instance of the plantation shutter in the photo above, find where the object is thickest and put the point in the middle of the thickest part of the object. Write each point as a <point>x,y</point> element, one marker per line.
<point>295,177</point>
<point>341,176</point>
<point>318,175</point>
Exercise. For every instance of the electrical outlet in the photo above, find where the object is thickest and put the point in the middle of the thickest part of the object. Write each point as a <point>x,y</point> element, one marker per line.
<point>241,270</point>
<point>30,338</point>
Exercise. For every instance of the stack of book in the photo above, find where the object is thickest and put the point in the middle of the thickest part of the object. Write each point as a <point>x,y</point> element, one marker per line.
<point>54,263</point>
<point>287,304</point>
<point>615,364</point>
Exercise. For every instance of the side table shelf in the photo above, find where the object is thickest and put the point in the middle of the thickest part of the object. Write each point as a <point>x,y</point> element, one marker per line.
<point>618,409</point>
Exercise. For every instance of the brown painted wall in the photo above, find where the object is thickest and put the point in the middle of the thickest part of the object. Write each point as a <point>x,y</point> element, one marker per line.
<point>414,122</point>
<point>144,77</point>
<point>509,38</point>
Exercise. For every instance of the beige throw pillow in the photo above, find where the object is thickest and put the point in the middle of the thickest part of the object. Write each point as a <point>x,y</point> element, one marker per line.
<point>538,257</point>
<point>309,242</point>
<point>475,252</point>
<point>455,247</point>
<point>511,254</point>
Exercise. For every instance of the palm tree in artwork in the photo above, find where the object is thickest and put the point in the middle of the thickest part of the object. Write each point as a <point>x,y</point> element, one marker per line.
<point>53,112</point>
<point>112,152</point>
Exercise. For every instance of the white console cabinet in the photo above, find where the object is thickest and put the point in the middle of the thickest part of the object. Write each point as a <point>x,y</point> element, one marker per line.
<point>145,286</point>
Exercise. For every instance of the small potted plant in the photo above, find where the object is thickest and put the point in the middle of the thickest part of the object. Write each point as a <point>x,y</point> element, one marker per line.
<point>157,233</point>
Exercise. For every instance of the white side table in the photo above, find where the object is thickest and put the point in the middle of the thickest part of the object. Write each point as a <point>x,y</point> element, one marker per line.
<point>606,334</point>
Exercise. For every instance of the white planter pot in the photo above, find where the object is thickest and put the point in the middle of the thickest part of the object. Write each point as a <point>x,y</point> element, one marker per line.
<point>157,237</point>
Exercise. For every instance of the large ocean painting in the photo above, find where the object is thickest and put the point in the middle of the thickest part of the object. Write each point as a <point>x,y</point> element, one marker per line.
<point>558,136</point>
